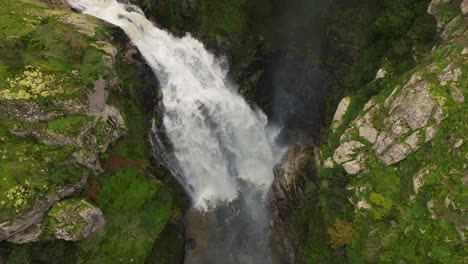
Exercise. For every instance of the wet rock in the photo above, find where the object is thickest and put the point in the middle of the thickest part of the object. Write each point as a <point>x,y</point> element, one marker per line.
<point>98,99</point>
<point>287,194</point>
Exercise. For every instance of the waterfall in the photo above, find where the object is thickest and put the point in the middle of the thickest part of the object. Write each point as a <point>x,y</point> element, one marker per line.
<point>219,143</point>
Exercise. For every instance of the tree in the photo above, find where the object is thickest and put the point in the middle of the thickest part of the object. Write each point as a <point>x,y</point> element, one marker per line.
<point>341,233</point>
<point>382,205</point>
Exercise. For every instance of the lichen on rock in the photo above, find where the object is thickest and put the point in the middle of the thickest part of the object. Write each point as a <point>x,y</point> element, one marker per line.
<point>55,118</point>
<point>74,219</point>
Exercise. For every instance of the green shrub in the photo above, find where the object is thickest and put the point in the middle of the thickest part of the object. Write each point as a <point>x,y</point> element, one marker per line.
<point>137,210</point>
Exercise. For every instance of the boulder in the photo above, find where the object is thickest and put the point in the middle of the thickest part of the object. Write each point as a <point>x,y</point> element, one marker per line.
<point>74,219</point>
<point>381,73</point>
<point>340,112</point>
<point>464,7</point>
<point>345,151</point>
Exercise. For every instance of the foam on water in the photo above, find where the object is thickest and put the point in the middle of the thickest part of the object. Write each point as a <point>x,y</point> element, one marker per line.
<point>217,138</point>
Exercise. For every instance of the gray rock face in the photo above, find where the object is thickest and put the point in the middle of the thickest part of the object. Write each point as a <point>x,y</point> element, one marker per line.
<point>11,227</point>
<point>27,236</point>
<point>287,192</point>
<point>344,152</point>
<point>464,7</point>
<point>411,110</point>
<point>409,117</point>
<point>340,112</point>
<point>364,124</point>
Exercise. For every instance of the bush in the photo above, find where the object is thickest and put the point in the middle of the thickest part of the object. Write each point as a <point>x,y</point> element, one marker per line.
<point>341,233</point>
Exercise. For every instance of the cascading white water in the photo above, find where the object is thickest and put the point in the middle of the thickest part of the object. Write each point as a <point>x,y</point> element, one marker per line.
<point>217,138</point>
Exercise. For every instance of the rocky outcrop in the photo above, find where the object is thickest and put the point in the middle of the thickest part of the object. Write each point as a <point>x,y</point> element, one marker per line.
<point>409,115</point>
<point>55,123</point>
<point>36,212</point>
<point>74,219</point>
<point>464,7</point>
<point>340,112</point>
<point>404,155</point>
<point>287,195</point>
<point>401,123</point>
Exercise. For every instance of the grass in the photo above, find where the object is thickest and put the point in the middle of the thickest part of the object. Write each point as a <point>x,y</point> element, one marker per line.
<point>92,66</point>
<point>71,125</point>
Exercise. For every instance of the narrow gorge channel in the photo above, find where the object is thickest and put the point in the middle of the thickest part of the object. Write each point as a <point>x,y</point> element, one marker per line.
<point>220,149</point>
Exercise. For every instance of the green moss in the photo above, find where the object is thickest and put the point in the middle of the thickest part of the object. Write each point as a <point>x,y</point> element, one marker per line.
<point>33,168</point>
<point>71,125</point>
<point>92,66</point>
<point>65,215</point>
<point>135,144</point>
<point>448,10</point>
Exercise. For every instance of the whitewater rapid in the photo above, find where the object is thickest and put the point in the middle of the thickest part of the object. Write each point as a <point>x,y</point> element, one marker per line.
<point>219,141</point>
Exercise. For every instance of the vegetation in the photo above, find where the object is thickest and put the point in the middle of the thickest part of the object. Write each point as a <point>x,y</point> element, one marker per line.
<point>48,63</point>
<point>136,209</point>
<point>398,225</point>
<point>341,233</point>
<point>68,125</point>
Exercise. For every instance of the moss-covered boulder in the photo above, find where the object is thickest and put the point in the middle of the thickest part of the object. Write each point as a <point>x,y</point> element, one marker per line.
<point>73,219</point>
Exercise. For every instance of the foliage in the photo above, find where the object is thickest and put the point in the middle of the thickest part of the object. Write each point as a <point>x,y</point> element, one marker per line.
<point>400,226</point>
<point>341,233</point>
<point>220,17</point>
<point>136,210</point>
<point>382,205</point>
